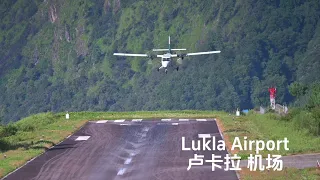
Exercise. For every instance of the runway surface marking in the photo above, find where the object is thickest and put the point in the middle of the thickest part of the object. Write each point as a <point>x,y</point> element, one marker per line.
<point>119,120</point>
<point>121,171</point>
<point>201,119</point>
<point>102,121</point>
<point>118,152</point>
<point>140,120</point>
<point>128,161</point>
<point>124,150</point>
<point>204,135</point>
<point>82,138</point>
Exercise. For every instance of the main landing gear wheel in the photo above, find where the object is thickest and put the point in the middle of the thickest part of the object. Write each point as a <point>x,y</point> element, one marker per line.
<point>166,71</point>
<point>177,68</point>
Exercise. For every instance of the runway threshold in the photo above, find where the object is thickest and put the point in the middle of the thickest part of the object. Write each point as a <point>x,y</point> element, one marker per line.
<point>135,149</point>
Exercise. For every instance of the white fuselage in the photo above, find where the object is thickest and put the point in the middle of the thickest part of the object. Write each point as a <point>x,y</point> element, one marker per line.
<point>165,60</point>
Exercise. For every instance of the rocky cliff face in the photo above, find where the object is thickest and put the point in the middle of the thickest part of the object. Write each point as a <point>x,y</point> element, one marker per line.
<point>53,13</point>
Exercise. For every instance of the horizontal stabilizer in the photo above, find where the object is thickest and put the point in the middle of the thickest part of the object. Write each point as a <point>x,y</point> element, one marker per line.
<point>168,49</point>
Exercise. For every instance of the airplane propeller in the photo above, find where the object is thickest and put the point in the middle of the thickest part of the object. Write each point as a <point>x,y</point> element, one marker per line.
<point>179,60</point>
<point>151,56</point>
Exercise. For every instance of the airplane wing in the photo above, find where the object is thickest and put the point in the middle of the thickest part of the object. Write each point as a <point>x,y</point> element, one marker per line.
<point>201,53</point>
<point>126,54</point>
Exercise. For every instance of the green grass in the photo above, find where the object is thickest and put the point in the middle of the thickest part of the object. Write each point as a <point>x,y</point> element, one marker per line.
<point>290,173</point>
<point>38,132</point>
<point>270,127</point>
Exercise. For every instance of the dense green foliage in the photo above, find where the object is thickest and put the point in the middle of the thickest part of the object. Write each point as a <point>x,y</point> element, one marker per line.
<point>56,55</point>
<point>307,115</point>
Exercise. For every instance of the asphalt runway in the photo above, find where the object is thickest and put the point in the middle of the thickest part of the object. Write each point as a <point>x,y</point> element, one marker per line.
<point>128,149</point>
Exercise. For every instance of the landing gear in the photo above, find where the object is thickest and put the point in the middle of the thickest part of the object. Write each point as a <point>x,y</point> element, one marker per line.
<point>177,68</point>
<point>158,69</point>
<point>166,70</point>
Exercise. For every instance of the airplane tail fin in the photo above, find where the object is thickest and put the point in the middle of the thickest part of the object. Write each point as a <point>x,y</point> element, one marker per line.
<point>169,49</point>
<point>169,45</point>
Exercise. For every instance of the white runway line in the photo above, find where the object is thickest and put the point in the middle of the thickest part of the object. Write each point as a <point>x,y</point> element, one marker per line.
<point>145,129</point>
<point>128,161</point>
<point>82,138</point>
<point>165,119</point>
<point>201,119</point>
<point>119,120</point>
<point>124,124</point>
<point>121,171</point>
<point>183,119</point>
<point>101,121</point>
<point>136,120</point>
<point>175,124</point>
<point>204,135</point>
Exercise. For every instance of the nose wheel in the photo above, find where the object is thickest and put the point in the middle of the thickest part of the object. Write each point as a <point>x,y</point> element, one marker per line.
<point>166,71</point>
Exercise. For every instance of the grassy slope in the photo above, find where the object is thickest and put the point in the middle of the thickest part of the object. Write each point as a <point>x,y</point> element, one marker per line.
<point>52,128</point>
<point>289,173</point>
<point>268,127</point>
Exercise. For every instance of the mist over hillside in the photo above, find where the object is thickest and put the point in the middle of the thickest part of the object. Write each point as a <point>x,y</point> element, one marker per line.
<point>57,55</point>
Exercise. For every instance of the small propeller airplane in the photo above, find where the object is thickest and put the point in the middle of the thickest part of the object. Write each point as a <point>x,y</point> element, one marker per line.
<point>166,58</point>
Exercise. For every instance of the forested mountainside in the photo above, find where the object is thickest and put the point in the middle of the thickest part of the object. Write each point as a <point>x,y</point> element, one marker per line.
<point>57,55</point>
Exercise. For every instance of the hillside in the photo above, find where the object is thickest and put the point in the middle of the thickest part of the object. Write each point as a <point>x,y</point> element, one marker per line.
<point>56,55</point>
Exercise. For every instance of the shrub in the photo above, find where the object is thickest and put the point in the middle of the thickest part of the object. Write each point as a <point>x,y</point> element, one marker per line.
<point>306,120</point>
<point>292,113</point>
<point>316,115</point>
<point>3,145</point>
<point>1,131</point>
<point>27,127</point>
<point>8,130</point>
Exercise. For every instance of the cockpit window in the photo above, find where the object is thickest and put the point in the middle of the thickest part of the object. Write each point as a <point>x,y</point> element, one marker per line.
<point>166,59</point>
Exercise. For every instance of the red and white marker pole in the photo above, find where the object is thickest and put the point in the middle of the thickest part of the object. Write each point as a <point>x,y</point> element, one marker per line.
<point>273,92</point>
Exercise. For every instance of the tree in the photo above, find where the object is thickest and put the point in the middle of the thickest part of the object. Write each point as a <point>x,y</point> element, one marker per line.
<point>297,89</point>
